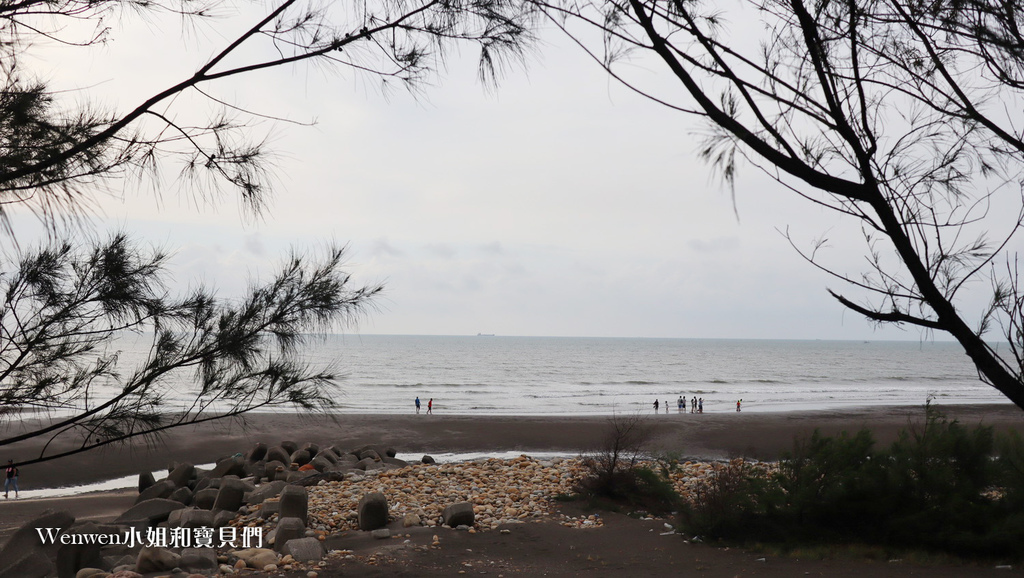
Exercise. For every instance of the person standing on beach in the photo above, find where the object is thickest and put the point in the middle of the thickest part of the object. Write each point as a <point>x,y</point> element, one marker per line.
<point>666,406</point>
<point>417,404</point>
<point>681,404</point>
<point>11,479</point>
<point>655,406</point>
<point>738,402</point>
<point>430,406</point>
<point>700,405</point>
<point>693,404</point>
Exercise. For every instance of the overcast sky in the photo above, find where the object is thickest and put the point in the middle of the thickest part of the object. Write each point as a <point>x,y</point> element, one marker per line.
<point>560,204</point>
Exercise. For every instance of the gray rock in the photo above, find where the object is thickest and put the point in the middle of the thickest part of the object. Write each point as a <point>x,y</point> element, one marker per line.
<point>76,555</point>
<point>267,490</point>
<point>223,518</point>
<point>373,511</point>
<point>247,483</point>
<point>146,480</point>
<point>161,489</point>
<point>459,514</point>
<point>294,503</point>
<point>289,446</point>
<point>369,455</point>
<point>312,447</point>
<point>273,470</point>
<point>321,463</point>
<point>89,572</point>
<point>202,483</point>
<point>292,476</point>
<point>381,534</point>
<point>257,558</point>
<point>156,560</point>
<point>395,462</point>
<point>300,457</point>
<point>182,474</point>
<point>304,549</point>
<point>257,453</point>
<point>230,496</point>
<point>256,470</point>
<point>347,459</point>
<point>31,564</point>
<point>288,529</point>
<point>122,560</point>
<point>199,560</point>
<point>182,494</point>
<point>382,451</point>
<point>205,498</point>
<point>315,478</point>
<point>278,454</point>
<point>427,460</point>
<point>328,455</point>
<point>155,511</point>
<point>26,538</point>
<point>269,509</point>
<point>192,518</point>
<point>231,466</point>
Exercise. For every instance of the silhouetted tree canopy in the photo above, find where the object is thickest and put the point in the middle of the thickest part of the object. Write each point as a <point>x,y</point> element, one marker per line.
<point>904,116</point>
<point>58,150</point>
<point>64,308</point>
<point>65,304</point>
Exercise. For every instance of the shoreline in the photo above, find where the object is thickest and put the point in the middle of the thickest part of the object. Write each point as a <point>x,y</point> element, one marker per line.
<point>718,435</point>
<point>709,436</point>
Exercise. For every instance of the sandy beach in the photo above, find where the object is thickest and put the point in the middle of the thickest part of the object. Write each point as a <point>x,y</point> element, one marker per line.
<point>707,436</point>
<point>761,436</point>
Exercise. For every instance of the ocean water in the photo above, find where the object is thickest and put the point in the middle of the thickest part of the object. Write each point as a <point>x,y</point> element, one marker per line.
<point>600,376</point>
<point>540,375</point>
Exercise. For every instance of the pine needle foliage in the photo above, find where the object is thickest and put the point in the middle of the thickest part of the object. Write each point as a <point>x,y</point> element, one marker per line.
<point>63,310</point>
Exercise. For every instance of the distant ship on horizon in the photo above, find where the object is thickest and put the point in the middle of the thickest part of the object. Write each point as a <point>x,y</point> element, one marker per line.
<point>485,335</point>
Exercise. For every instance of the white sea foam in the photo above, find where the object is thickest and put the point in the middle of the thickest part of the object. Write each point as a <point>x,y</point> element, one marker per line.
<point>599,376</point>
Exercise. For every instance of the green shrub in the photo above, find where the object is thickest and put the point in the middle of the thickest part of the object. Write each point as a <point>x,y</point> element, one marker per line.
<point>727,504</point>
<point>939,487</point>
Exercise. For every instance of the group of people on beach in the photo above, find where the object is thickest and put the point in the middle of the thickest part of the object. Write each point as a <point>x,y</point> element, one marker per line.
<point>696,405</point>
<point>430,405</point>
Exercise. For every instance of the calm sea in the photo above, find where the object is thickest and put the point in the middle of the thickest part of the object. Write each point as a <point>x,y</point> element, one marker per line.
<point>561,376</point>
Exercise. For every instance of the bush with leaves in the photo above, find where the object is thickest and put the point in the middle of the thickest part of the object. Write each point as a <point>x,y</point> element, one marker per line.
<point>62,309</point>
<point>725,502</point>
<point>940,486</point>
<point>616,473</point>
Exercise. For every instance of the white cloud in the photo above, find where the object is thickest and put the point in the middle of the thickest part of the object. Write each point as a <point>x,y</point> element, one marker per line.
<point>560,205</point>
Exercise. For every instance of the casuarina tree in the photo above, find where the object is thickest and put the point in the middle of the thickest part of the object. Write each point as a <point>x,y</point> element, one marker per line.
<point>65,304</point>
<point>903,116</point>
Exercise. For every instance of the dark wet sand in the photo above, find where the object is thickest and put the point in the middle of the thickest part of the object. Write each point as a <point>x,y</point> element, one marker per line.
<point>710,435</point>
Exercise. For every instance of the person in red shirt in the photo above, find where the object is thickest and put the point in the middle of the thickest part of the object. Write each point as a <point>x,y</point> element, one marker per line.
<point>11,479</point>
